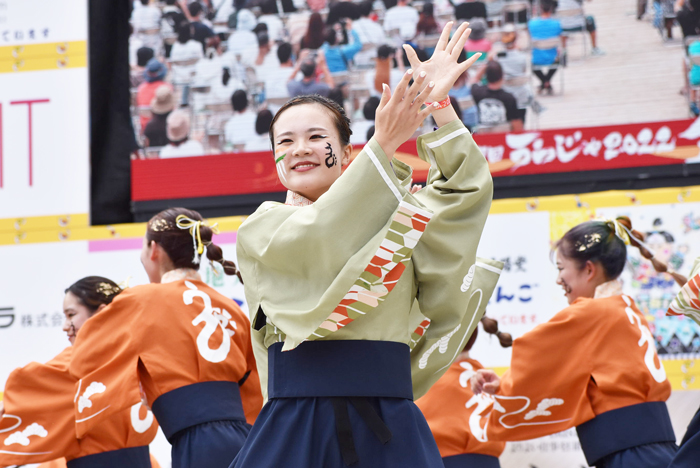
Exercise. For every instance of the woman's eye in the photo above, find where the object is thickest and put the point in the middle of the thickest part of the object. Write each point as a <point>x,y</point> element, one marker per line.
<point>316,137</point>
<point>284,142</point>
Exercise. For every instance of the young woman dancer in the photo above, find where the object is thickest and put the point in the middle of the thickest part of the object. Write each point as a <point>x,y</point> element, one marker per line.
<point>593,365</point>
<point>38,423</point>
<point>332,275</point>
<point>687,302</point>
<point>454,412</point>
<point>179,343</point>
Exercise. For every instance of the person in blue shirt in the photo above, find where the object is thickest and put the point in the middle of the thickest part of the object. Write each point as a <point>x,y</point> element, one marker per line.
<point>545,27</point>
<point>339,56</point>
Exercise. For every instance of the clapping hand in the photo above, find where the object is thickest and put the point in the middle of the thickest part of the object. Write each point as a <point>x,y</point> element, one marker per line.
<point>442,68</point>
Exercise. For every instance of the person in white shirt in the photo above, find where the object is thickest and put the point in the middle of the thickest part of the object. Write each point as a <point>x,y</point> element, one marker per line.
<point>369,32</point>
<point>186,48</point>
<point>276,75</point>
<point>270,16</point>
<point>243,43</point>
<point>261,140</point>
<point>241,126</point>
<point>178,129</point>
<point>145,17</point>
<point>402,17</point>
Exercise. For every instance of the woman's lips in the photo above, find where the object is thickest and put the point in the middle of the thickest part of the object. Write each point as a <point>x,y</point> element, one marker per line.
<point>304,167</point>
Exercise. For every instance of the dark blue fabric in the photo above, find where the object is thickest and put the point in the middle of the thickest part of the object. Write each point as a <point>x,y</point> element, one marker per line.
<point>297,427</point>
<point>133,457</point>
<point>624,428</point>
<point>209,445</point>
<point>656,455</point>
<point>688,455</point>
<point>196,404</point>
<point>340,368</point>
<point>471,460</point>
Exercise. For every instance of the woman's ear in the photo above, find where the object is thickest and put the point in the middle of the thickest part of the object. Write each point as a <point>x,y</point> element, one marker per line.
<point>154,251</point>
<point>591,270</point>
<point>100,307</point>
<point>345,159</point>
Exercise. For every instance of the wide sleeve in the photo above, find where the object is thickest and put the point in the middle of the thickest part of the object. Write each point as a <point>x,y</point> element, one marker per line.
<point>545,389</point>
<point>37,425</point>
<point>687,301</point>
<point>311,270</point>
<point>106,361</point>
<point>453,287</point>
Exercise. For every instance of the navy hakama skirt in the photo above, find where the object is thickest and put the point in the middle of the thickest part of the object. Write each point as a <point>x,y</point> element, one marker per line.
<point>688,455</point>
<point>334,404</point>
<point>204,422</point>
<point>639,436</point>
<point>471,460</point>
<point>133,457</point>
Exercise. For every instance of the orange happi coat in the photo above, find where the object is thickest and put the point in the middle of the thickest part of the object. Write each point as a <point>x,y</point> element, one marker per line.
<point>156,338</point>
<point>39,424</point>
<point>454,413</point>
<point>595,356</point>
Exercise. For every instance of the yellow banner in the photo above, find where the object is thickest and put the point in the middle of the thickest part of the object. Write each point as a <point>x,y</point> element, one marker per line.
<point>47,56</point>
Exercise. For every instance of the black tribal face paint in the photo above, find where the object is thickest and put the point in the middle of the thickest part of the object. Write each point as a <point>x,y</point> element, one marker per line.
<point>331,159</point>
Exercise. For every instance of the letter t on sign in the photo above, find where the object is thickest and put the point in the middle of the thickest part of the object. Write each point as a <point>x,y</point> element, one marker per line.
<point>29,112</point>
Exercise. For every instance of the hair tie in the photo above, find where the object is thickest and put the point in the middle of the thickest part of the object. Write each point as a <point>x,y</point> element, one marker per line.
<point>619,230</point>
<point>195,227</point>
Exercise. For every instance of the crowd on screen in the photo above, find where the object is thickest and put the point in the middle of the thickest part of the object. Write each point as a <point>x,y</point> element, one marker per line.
<point>208,75</point>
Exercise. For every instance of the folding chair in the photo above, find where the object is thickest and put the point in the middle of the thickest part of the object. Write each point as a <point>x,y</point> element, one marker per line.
<point>574,13</point>
<point>548,44</point>
<point>514,7</point>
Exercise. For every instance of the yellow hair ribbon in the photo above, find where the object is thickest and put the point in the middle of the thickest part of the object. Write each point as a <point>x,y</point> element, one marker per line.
<point>619,230</point>
<point>194,226</point>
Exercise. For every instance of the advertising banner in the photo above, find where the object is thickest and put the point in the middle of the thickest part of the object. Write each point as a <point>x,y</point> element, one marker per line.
<point>44,125</point>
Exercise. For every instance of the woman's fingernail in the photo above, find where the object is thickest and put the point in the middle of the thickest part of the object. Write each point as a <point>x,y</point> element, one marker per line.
<point>431,84</point>
<point>409,72</point>
<point>384,87</point>
<point>422,74</point>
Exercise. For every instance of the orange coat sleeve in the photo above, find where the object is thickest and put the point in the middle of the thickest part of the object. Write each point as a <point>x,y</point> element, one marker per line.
<point>545,389</point>
<point>106,362</point>
<point>38,422</point>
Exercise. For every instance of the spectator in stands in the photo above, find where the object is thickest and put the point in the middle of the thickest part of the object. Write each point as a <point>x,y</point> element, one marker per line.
<point>143,55</point>
<point>154,76</point>
<point>389,69</point>
<point>578,23</point>
<point>360,127</point>
<point>265,56</point>
<point>688,17</point>
<point>215,72</point>
<point>370,34</point>
<point>462,90</point>
<point>200,31</point>
<point>314,37</point>
<point>186,49</point>
<point>426,21</point>
<point>170,24</point>
<point>240,126</point>
<point>243,43</point>
<point>308,84</point>
<point>402,17</point>
<point>261,140</point>
<point>496,106</point>
<point>339,56</point>
<point>270,16</point>
<point>468,9</point>
<point>477,41</point>
<point>145,18</point>
<point>163,103</point>
<point>694,78</point>
<point>514,64</point>
<point>275,76</point>
<point>178,129</point>
<point>545,27</point>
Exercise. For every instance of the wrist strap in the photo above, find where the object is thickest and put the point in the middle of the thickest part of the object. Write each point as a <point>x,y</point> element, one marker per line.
<point>441,104</point>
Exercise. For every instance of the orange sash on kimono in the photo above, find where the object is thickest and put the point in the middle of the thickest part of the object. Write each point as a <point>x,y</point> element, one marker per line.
<point>595,356</point>
<point>39,425</point>
<point>454,413</point>
<point>161,337</point>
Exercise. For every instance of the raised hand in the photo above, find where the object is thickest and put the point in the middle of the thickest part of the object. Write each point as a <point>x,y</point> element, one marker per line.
<point>485,380</point>
<point>399,114</point>
<point>442,68</point>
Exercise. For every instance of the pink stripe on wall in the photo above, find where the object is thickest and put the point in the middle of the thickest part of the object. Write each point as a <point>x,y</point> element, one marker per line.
<point>133,243</point>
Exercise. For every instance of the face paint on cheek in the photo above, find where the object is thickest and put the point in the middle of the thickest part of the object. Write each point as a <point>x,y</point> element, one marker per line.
<point>331,160</point>
<point>281,170</point>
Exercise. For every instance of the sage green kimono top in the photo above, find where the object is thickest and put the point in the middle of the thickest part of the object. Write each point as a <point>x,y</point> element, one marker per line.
<point>370,261</point>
